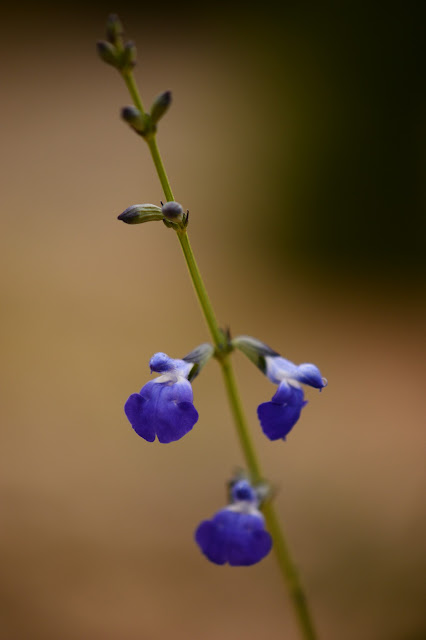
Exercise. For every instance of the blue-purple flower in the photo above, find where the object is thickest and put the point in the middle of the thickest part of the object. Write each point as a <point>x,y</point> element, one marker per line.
<point>236,534</point>
<point>279,416</point>
<point>164,406</point>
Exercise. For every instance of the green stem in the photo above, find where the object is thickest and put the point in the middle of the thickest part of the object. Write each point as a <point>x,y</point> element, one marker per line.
<point>200,289</point>
<point>151,140</point>
<point>284,559</point>
<point>239,419</point>
<point>289,573</point>
<point>133,90</point>
<point>153,147</point>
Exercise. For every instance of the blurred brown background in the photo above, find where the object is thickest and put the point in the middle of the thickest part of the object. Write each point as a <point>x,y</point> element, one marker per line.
<point>296,139</point>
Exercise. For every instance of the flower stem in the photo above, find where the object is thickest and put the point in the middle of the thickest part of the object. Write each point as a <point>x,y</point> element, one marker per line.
<point>284,559</point>
<point>153,147</point>
<point>129,79</point>
<point>289,573</point>
<point>200,290</point>
<point>239,419</point>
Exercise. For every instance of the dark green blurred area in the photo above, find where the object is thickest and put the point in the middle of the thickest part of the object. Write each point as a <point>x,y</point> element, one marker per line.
<point>344,170</point>
<point>358,189</point>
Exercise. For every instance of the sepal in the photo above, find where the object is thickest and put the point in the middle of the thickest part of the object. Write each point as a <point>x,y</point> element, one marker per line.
<point>138,213</point>
<point>136,120</point>
<point>255,350</point>
<point>198,357</point>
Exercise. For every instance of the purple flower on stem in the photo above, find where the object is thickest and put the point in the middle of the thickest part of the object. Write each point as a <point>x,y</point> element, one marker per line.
<point>164,407</point>
<point>279,416</point>
<point>236,534</point>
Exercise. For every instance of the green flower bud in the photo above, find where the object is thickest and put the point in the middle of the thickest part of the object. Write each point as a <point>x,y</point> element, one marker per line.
<point>135,119</point>
<point>128,57</point>
<point>138,213</point>
<point>160,106</point>
<point>108,53</point>
<point>114,30</point>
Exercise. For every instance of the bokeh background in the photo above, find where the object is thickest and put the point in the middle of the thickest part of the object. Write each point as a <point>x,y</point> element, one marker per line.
<point>297,141</point>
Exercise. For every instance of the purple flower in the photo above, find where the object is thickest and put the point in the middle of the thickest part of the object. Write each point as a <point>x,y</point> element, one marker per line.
<point>164,407</point>
<point>279,416</point>
<point>236,534</point>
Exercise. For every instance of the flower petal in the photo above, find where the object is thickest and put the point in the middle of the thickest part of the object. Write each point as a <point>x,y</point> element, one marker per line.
<point>242,490</point>
<point>278,369</point>
<point>233,536</point>
<point>287,393</point>
<point>136,416</point>
<point>279,416</point>
<point>161,363</point>
<point>210,542</point>
<point>310,374</point>
<point>174,423</point>
<point>163,409</point>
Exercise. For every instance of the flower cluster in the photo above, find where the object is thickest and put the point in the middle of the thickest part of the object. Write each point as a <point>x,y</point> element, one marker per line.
<point>164,406</point>
<point>164,409</point>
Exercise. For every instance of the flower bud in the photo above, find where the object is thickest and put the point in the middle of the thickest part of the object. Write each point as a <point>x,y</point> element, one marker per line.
<point>239,483</point>
<point>172,211</point>
<point>114,30</point>
<point>108,53</point>
<point>135,119</point>
<point>138,213</point>
<point>128,57</point>
<point>160,106</point>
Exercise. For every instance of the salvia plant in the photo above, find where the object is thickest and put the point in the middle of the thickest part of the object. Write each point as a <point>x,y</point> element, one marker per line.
<point>244,531</point>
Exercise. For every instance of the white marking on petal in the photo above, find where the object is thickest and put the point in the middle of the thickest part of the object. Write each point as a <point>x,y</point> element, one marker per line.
<point>247,507</point>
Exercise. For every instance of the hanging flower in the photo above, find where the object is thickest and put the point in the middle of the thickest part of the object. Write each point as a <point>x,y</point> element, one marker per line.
<point>236,534</point>
<point>279,416</point>
<point>164,406</point>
